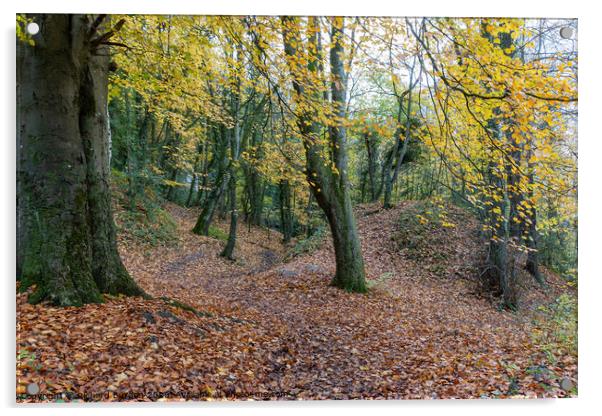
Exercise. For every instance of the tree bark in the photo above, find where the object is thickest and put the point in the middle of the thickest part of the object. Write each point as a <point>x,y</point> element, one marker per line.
<point>206,166</point>
<point>254,184</point>
<point>235,138</point>
<point>330,188</point>
<point>228,251</point>
<point>255,191</point>
<point>502,257</point>
<point>67,246</point>
<point>209,207</point>
<point>371,149</point>
<point>532,242</point>
<point>286,212</point>
<point>191,189</point>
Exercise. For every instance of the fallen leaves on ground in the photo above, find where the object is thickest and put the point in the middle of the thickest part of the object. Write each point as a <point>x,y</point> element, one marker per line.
<point>264,330</point>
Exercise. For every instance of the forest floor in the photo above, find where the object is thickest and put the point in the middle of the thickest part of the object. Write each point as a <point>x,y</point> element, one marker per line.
<point>264,329</point>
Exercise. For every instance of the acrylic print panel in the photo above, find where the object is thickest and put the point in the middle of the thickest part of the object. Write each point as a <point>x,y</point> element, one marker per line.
<point>287,208</point>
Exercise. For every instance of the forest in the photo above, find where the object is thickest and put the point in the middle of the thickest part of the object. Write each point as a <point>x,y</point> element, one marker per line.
<point>295,207</point>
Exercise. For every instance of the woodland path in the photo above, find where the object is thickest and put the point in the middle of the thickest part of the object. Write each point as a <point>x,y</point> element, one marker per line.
<point>415,335</point>
<point>262,329</point>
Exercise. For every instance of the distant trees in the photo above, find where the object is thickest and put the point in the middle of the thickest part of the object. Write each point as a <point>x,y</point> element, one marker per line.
<point>287,120</point>
<point>217,186</point>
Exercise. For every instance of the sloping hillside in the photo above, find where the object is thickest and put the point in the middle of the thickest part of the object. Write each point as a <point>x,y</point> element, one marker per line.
<point>258,328</point>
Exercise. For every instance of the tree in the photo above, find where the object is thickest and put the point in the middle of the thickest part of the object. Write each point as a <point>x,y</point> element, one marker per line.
<point>326,162</point>
<point>235,142</point>
<point>372,156</point>
<point>66,234</point>
<point>219,184</point>
<point>286,210</point>
<point>402,132</point>
<point>491,123</point>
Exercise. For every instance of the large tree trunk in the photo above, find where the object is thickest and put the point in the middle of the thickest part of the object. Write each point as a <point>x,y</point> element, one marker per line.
<point>350,273</point>
<point>501,268</point>
<point>502,255</point>
<point>67,244</point>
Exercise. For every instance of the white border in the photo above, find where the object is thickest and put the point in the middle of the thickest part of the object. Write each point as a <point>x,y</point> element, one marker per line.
<point>590,204</point>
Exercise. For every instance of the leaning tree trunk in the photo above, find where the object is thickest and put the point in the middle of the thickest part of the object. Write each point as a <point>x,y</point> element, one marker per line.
<point>331,189</point>
<point>67,246</point>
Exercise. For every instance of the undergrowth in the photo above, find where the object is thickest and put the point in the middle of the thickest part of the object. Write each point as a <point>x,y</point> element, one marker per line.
<point>217,233</point>
<point>555,329</point>
<point>154,227</point>
<point>380,284</point>
<point>307,245</point>
<point>147,222</point>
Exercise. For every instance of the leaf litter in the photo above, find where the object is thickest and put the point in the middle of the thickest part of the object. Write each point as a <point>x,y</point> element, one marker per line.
<point>244,330</point>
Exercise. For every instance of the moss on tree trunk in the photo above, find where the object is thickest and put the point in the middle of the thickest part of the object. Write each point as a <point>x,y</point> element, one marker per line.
<point>67,243</point>
<point>330,187</point>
